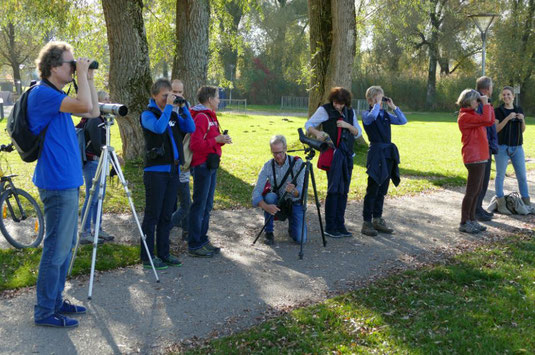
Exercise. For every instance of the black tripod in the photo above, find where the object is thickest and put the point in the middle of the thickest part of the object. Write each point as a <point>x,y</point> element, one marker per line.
<point>309,172</point>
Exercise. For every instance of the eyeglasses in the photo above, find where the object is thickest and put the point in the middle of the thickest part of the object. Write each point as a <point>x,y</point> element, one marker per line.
<point>278,153</point>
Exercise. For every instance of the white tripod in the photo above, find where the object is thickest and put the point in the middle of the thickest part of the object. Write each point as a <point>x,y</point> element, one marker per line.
<point>107,156</point>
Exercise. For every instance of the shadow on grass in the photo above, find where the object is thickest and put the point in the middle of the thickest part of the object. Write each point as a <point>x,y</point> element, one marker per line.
<point>231,191</point>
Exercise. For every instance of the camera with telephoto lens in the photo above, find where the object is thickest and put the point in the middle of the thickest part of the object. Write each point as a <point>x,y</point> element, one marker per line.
<point>92,65</point>
<point>179,100</point>
<point>154,153</point>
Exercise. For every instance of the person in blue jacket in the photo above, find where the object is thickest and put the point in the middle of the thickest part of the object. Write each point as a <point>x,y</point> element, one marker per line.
<point>163,130</point>
<point>383,158</point>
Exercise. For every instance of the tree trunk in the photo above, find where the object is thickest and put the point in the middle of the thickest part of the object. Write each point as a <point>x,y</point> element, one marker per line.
<point>129,77</point>
<point>432,72</point>
<point>191,61</point>
<point>332,47</point>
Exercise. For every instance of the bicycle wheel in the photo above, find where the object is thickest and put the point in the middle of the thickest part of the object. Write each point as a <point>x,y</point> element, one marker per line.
<point>21,219</point>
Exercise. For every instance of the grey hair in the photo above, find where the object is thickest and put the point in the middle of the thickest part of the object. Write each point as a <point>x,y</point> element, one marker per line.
<point>159,85</point>
<point>467,96</point>
<point>483,83</point>
<point>278,138</point>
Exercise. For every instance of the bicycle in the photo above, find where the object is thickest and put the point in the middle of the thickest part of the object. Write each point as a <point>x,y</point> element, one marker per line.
<point>21,219</point>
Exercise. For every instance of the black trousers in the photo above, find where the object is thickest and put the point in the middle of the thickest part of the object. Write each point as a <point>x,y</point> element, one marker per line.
<point>375,196</point>
<point>485,184</point>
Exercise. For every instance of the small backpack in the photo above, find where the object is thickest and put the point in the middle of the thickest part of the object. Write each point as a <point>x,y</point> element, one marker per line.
<point>28,145</point>
<point>188,154</point>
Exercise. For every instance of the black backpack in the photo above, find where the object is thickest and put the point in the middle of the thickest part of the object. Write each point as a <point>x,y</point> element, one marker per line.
<point>28,145</point>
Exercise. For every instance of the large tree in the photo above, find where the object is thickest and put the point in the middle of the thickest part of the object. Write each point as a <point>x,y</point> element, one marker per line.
<point>512,50</point>
<point>332,47</point>
<point>130,77</point>
<point>192,54</point>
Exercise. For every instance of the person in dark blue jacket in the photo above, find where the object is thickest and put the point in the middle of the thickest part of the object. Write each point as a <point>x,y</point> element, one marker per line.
<point>484,87</point>
<point>163,130</point>
<point>383,158</point>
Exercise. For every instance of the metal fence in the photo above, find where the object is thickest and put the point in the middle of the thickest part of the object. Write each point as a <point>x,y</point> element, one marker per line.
<point>296,102</point>
<point>239,105</point>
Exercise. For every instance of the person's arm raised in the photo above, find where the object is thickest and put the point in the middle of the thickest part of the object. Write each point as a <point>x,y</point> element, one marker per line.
<point>82,103</point>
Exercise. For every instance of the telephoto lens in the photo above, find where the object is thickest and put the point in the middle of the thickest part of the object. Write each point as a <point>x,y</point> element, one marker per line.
<point>114,109</point>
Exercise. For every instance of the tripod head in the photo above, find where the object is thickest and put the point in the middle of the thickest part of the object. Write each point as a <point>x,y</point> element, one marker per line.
<point>309,152</point>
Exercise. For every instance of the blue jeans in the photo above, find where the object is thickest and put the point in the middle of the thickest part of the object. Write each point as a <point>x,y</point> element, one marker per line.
<point>516,154</point>
<point>89,171</point>
<point>180,217</point>
<point>295,220</point>
<point>160,200</point>
<point>204,181</point>
<point>61,220</point>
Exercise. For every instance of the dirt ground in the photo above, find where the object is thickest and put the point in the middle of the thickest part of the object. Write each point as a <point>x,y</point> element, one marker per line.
<point>131,313</point>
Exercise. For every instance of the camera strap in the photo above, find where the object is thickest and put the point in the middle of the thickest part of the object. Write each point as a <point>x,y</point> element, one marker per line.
<point>288,172</point>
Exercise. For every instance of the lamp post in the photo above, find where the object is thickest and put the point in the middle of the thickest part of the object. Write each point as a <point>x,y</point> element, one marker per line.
<point>231,81</point>
<point>483,22</point>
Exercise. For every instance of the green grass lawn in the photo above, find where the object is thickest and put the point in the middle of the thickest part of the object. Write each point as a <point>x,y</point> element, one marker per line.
<point>429,146</point>
<point>481,302</point>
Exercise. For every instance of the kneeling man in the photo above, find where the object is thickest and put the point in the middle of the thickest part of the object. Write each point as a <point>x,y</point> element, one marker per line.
<point>279,173</point>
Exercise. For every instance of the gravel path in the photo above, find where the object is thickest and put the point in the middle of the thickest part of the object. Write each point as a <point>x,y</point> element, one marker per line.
<point>131,313</point>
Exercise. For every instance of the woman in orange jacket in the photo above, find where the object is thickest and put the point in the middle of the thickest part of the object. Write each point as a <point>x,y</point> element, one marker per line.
<point>475,153</point>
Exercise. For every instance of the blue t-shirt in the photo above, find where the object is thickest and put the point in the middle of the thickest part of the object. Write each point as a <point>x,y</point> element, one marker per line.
<point>59,167</point>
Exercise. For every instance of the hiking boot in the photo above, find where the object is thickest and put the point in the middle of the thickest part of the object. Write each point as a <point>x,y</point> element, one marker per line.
<point>333,234</point>
<point>528,204</point>
<point>69,308</point>
<point>502,206</point>
<point>468,228</point>
<point>158,264</point>
<point>483,217</point>
<point>107,237</point>
<point>88,239</point>
<point>367,229</point>
<point>270,238</point>
<point>214,249</point>
<point>172,260</point>
<point>344,232</point>
<point>203,252</point>
<point>380,225</point>
<point>481,227</point>
<point>57,321</point>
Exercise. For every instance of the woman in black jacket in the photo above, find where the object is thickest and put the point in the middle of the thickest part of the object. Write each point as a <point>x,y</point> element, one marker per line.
<point>510,125</point>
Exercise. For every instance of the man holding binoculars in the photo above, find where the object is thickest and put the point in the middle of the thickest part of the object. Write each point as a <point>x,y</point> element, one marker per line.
<point>58,173</point>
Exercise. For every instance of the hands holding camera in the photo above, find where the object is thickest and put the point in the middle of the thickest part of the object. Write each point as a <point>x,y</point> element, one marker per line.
<point>513,116</point>
<point>224,138</point>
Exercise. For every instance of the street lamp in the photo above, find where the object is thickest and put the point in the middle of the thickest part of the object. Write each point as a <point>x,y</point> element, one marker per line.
<point>483,22</point>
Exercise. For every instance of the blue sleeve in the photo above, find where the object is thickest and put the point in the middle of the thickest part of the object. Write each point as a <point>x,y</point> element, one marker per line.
<point>369,116</point>
<point>43,104</point>
<point>356,124</point>
<point>399,118</point>
<point>317,118</point>
<point>155,125</point>
<point>186,124</point>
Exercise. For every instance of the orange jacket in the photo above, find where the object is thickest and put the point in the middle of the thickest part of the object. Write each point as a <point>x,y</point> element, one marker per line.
<point>474,135</point>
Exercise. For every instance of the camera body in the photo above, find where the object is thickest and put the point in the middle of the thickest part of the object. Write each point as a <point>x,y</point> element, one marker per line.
<point>156,152</point>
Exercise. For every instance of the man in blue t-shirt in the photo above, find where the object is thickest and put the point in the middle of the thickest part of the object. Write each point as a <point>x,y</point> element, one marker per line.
<point>58,173</point>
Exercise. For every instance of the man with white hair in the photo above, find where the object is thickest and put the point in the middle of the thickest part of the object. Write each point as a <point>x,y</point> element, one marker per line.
<point>276,178</point>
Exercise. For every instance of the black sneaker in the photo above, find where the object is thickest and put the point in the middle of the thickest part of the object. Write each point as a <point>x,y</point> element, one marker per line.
<point>214,249</point>
<point>483,217</point>
<point>203,252</point>
<point>172,260</point>
<point>270,238</point>
<point>344,232</point>
<point>158,264</point>
<point>333,234</point>
<point>107,237</point>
